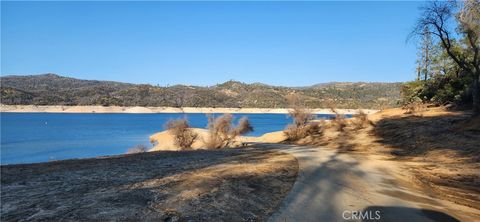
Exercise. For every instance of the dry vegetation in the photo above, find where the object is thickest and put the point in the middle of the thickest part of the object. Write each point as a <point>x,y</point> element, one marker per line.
<point>360,120</point>
<point>182,133</point>
<point>302,125</point>
<point>440,147</point>
<point>339,121</point>
<point>214,185</point>
<point>137,149</point>
<point>52,89</point>
<point>415,107</point>
<point>222,132</point>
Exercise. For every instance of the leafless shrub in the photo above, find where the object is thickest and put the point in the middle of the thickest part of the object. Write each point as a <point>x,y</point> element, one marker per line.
<point>137,149</point>
<point>243,126</point>
<point>295,133</point>
<point>299,113</point>
<point>361,119</point>
<point>301,126</point>
<point>222,132</point>
<point>182,133</point>
<point>339,121</point>
<point>153,141</point>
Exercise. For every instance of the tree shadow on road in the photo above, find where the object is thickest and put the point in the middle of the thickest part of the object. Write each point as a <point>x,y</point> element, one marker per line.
<point>315,193</point>
<point>400,214</point>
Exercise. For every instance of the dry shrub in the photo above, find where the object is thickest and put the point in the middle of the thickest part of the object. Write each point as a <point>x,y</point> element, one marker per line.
<point>222,132</point>
<point>295,133</point>
<point>361,119</point>
<point>243,126</point>
<point>415,107</point>
<point>182,133</point>
<point>137,149</point>
<point>299,113</point>
<point>301,126</point>
<point>339,121</point>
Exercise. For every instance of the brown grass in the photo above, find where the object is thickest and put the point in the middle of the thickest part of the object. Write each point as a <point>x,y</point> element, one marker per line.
<point>222,132</point>
<point>182,133</point>
<point>442,146</point>
<point>415,107</point>
<point>214,185</point>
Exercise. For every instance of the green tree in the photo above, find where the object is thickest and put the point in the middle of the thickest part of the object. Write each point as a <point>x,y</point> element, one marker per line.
<point>435,20</point>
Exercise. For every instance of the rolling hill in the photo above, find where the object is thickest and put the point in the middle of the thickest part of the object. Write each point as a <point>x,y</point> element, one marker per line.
<point>52,89</point>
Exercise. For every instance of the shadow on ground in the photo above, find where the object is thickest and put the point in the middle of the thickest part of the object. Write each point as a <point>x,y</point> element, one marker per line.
<point>417,135</point>
<point>316,192</point>
<point>401,214</point>
<point>226,185</point>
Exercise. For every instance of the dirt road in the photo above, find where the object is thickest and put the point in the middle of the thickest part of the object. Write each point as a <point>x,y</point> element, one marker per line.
<point>333,186</point>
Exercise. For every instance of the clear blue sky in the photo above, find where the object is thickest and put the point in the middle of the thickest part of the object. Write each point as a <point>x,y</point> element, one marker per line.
<point>204,43</point>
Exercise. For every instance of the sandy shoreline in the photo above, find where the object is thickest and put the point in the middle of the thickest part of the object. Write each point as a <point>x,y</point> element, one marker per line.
<point>138,109</point>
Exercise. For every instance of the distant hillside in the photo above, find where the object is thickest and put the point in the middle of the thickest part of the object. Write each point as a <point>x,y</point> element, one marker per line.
<point>51,89</point>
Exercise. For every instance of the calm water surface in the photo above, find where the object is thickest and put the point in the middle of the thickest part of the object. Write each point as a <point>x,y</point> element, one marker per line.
<point>41,137</point>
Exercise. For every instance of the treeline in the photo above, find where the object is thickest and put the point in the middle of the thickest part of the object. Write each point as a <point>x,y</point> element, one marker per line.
<point>51,89</point>
<point>448,65</point>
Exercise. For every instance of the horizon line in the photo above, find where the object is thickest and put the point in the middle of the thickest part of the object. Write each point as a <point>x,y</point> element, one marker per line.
<point>187,84</point>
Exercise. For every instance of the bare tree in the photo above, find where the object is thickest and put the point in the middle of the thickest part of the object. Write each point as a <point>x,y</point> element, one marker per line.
<point>435,21</point>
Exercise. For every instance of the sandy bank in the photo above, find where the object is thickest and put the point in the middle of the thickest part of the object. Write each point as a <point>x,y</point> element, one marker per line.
<point>165,140</point>
<point>138,109</point>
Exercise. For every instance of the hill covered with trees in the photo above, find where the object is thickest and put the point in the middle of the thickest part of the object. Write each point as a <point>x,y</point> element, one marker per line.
<point>51,89</point>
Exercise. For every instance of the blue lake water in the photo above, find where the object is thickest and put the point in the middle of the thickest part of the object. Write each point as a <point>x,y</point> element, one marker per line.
<point>41,137</point>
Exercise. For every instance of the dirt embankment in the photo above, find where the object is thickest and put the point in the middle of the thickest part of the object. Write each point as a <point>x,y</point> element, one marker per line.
<point>440,148</point>
<point>221,185</point>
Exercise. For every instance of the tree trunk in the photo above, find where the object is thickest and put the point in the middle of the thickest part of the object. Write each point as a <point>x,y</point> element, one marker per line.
<point>476,95</point>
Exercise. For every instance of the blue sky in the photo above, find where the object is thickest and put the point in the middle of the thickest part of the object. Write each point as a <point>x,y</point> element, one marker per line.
<point>204,43</point>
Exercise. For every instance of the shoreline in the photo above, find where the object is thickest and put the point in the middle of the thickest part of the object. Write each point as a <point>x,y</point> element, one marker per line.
<point>139,109</point>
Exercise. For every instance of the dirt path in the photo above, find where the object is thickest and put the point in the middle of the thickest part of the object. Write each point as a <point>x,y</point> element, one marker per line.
<point>333,186</point>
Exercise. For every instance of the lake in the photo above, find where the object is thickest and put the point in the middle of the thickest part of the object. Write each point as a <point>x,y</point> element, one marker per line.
<point>41,137</point>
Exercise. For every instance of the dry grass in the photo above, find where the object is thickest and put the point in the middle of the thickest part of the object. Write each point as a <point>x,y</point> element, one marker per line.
<point>440,147</point>
<point>222,132</point>
<point>182,133</point>
<point>137,149</point>
<point>214,185</point>
<point>415,107</point>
